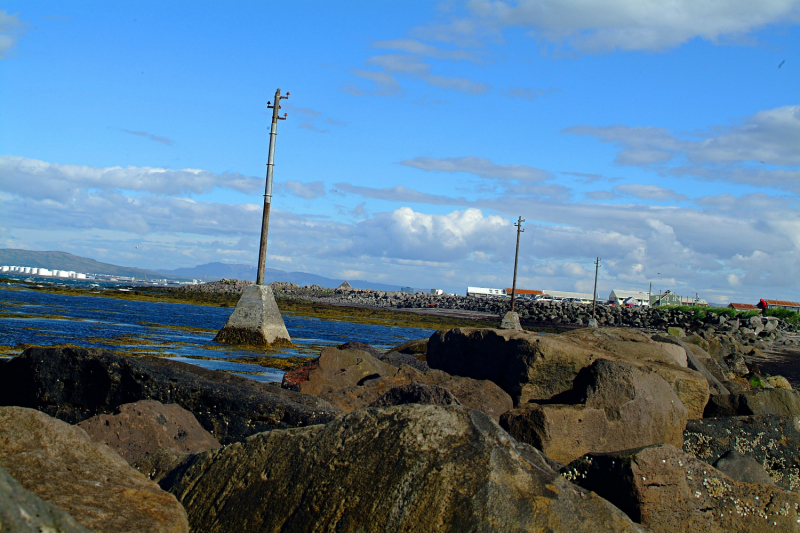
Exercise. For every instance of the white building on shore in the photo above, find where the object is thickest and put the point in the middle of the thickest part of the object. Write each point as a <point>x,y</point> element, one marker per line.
<point>486,292</point>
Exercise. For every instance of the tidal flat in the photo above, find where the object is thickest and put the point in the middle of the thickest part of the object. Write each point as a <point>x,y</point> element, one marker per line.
<point>182,326</point>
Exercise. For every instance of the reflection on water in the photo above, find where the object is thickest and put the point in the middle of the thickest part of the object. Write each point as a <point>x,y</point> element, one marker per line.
<point>180,331</point>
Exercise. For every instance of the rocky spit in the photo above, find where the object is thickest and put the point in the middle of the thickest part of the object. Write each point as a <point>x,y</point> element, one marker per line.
<point>609,429</point>
<point>753,331</point>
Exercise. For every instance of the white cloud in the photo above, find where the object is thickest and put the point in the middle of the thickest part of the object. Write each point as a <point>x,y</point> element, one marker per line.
<point>11,29</point>
<point>594,26</point>
<point>416,47</point>
<point>650,192</point>
<point>384,84</point>
<point>39,179</point>
<point>481,167</point>
<point>744,153</point>
<point>414,67</point>
<point>309,191</point>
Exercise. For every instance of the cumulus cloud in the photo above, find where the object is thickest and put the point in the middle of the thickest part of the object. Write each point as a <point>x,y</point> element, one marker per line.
<point>41,180</point>
<point>11,29</point>
<point>603,26</point>
<point>480,167</point>
<point>755,238</point>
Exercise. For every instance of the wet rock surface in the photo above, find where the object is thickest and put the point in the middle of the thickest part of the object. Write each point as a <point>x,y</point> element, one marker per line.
<point>404,468</point>
<point>773,441</point>
<point>76,384</point>
<point>613,406</point>
<point>671,491</point>
<point>63,466</point>
<point>23,512</point>
<point>137,429</point>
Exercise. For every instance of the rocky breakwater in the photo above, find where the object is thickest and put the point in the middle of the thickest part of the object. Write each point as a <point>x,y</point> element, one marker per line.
<point>755,331</point>
<point>361,440</point>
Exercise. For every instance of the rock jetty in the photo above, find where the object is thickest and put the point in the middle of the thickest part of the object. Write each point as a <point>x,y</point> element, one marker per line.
<point>475,429</point>
<point>757,331</point>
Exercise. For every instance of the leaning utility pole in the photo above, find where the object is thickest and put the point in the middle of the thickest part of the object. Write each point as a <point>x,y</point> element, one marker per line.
<point>273,133</point>
<point>516,260</point>
<point>257,320</point>
<point>594,294</point>
<point>511,319</point>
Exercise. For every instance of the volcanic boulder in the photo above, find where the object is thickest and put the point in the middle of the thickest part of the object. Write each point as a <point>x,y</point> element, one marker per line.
<point>21,511</point>
<point>63,466</point>
<point>135,430</point>
<point>613,406</point>
<point>407,468</point>
<point>673,492</point>
<point>772,441</point>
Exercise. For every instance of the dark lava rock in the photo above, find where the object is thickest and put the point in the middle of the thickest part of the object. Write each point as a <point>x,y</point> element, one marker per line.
<point>76,384</point>
<point>399,359</point>
<point>416,393</point>
<point>742,468</point>
<point>773,441</point>
<point>411,468</point>
<point>783,402</point>
<point>24,512</point>
<point>673,492</point>
<point>135,430</point>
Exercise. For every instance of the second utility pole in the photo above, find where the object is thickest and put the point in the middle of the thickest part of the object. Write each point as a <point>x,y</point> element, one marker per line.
<point>516,259</point>
<point>511,319</point>
<point>273,133</point>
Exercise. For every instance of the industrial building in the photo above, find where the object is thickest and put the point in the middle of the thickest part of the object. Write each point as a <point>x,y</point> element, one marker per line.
<point>486,292</point>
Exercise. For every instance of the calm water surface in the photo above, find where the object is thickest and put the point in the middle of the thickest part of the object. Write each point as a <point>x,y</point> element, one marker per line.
<point>179,331</point>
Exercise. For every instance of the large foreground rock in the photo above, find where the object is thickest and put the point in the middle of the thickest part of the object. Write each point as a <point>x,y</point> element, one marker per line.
<point>135,430</point>
<point>21,511</point>
<point>614,406</point>
<point>410,468</point>
<point>773,441</point>
<point>532,368</point>
<point>673,492</point>
<point>76,384</point>
<point>63,466</point>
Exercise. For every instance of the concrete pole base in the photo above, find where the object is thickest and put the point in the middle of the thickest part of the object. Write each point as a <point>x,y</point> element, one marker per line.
<point>256,321</point>
<point>511,321</point>
<point>592,323</point>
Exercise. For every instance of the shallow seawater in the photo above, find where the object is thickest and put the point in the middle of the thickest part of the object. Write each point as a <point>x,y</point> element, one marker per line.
<point>178,331</point>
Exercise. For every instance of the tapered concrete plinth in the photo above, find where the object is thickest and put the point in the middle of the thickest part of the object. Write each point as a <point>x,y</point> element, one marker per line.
<point>256,320</point>
<point>511,321</point>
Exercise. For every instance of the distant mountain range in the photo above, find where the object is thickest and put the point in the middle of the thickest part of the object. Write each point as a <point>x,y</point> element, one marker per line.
<point>215,271</point>
<point>207,272</point>
<point>66,261</point>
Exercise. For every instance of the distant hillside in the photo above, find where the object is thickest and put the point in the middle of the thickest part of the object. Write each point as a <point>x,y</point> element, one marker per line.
<point>66,261</point>
<point>215,271</point>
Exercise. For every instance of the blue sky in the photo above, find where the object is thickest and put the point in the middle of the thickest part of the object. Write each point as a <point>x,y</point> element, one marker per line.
<point>662,137</point>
